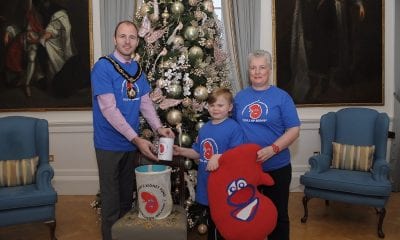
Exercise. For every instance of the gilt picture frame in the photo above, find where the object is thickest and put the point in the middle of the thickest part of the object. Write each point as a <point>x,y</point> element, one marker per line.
<point>328,54</point>
<point>46,55</point>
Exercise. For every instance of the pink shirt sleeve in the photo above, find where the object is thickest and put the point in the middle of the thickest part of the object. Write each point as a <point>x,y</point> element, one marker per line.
<point>149,112</point>
<point>110,111</point>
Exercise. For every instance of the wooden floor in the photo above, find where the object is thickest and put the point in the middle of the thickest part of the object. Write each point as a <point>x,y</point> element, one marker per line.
<point>76,220</point>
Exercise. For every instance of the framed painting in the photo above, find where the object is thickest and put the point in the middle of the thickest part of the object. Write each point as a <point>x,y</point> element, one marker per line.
<point>330,52</point>
<point>46,55</point>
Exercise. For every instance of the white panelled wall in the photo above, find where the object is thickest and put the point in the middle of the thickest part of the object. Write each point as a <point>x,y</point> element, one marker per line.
<point>71,132</point>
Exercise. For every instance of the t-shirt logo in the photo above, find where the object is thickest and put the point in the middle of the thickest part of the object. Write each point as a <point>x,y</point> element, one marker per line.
<point>209,148</point>
<point>256,111</point>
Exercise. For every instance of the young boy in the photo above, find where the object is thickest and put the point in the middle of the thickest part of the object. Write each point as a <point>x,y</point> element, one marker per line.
<point>218,135</point>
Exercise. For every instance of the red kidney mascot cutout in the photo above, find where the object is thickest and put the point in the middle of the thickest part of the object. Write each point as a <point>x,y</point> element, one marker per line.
<point>238,209</point>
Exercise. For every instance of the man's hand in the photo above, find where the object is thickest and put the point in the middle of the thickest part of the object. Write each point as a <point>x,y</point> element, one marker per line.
<point>166,132</point>
<point>145,147</point>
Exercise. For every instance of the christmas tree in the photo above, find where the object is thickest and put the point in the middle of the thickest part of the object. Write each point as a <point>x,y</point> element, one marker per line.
<point>181,52</point>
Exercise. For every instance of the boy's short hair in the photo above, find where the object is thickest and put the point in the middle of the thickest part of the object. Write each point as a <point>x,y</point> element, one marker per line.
<point>212,98</point>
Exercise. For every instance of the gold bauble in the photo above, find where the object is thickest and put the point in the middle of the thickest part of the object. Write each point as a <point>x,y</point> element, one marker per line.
<point>196,55</point>
<point>178,40</point>
<point>208,6</point>
<point>193,2</point>
<point>177,8</point>
<point>191,33</point>
<point>201,93</point>
<point>202,228</point>
<point>199,124</point>
<point>186,140</point>
<point>174,90</point>
<point>174,117</point>
<point>165,14</point>
<point>144,9</point>
<point>209,43</point>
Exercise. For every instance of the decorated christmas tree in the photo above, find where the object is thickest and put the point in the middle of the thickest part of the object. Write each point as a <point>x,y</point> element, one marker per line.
<point>181,52</point>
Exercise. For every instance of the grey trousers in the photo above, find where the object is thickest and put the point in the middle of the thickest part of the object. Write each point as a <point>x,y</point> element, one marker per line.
<point>117,184</point>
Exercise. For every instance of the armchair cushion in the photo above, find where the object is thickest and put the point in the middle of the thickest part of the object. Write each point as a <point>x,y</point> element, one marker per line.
<point>18,172</point>
<point>352,157</point>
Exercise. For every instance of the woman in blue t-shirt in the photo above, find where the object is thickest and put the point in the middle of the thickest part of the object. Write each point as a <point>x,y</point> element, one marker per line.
<point>269,118</point>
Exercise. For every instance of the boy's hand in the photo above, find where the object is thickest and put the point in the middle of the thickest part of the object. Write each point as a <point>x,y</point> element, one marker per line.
<point>213,163</point>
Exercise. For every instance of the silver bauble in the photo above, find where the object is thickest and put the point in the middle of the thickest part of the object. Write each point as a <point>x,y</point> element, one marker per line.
<point>188,164</point>
<point>186,140</point>
<point>199,124</point>
<point>154,17</point>
<point>177,8</point>
<point>178,40</point>
<point>196,55</point>
<point>201,93</point>
<point>191,33</point>
<point>174,90</point>
<point>174,117</point>
<point>202,228</point>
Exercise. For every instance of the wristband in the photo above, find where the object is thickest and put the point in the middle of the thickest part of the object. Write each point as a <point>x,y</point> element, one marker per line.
<point>275,148</point>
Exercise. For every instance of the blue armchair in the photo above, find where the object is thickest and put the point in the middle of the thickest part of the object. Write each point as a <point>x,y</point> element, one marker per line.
<point>352,129</point>
<point>26,193</point>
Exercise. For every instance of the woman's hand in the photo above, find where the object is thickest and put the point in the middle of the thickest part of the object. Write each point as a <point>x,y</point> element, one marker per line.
<point>265,153</point>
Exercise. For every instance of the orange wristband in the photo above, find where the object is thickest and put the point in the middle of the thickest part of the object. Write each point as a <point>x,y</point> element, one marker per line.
<point>275,148</point>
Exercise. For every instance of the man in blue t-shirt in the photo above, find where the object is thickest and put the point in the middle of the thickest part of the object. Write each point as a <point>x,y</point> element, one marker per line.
<point>120,91</point>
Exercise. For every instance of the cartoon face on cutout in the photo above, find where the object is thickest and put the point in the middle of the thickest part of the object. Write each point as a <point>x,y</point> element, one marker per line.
<point>255,111</point>
<point>241,197</point>
<point>151,202</point>
<point>209,148</point>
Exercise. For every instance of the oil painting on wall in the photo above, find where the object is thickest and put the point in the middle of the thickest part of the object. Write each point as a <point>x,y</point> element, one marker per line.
<point>330,52</point>
<point>46,55</point>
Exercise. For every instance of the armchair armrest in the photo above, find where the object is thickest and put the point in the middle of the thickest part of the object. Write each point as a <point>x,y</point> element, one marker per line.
<point>319,163</point>
<point>380,170</point>
<point>44,175</point>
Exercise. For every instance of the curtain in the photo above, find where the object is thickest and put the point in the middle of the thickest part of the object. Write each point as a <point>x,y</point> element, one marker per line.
<point>242,33</point>
<point>112,12</point>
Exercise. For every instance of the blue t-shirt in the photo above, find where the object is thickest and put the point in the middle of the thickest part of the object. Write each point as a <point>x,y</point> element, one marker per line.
<point>265,116</point>
<point>214,139</point>
<point>105,79</point>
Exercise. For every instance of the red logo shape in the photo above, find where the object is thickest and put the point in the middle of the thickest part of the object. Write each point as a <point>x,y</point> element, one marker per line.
<point>208,150</point>
<point>151,202</point>
<point>162,148</point>
<point>255,111</point>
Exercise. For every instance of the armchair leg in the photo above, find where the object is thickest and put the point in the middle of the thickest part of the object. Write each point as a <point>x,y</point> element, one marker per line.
<point>382,213</point>
<point>305,201</point>
<point>52,226</point>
